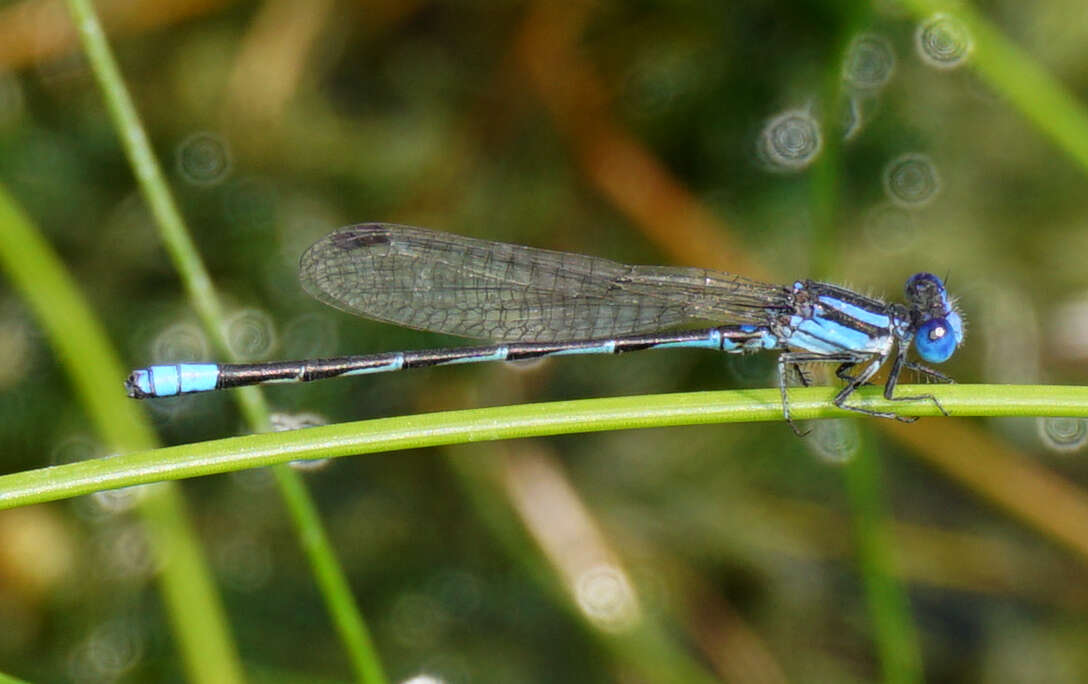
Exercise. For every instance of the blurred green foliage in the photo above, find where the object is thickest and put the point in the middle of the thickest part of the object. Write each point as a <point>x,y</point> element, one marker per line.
<point>278,122</point>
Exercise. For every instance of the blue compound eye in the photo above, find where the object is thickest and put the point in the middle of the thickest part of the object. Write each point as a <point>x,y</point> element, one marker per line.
<point>955,321</point>
<point>935,340</point>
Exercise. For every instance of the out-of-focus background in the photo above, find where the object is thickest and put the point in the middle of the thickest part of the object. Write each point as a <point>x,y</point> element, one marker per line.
<point>774,139</point>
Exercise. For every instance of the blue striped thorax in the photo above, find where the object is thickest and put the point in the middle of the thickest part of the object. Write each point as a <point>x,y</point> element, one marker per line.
<point>828,319</point>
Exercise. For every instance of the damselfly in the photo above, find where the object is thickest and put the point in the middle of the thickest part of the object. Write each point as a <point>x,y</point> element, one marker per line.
<point>534,302</point>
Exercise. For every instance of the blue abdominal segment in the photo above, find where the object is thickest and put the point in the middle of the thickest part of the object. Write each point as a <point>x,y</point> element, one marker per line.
<point>608,347</point>
<point>395,364</point>
<point>179,378</point>
<point>496,354</point>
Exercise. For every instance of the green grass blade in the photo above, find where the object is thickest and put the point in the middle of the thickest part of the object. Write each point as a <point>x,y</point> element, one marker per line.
<point>95,370</point>
<point>510,422</point>
<point>327,571</point>
<point>895,635</point>
<point>1022,81</point>
<point>348,622</point>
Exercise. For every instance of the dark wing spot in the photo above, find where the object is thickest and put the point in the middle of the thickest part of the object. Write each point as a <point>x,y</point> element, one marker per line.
<point>360,236</point>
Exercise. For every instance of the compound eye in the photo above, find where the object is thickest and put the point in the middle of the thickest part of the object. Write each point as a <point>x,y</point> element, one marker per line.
<point>935,340</point>
<point>955,321</point>
<point>926,289</point>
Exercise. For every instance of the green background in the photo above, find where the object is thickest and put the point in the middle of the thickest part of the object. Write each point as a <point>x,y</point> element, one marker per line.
<point>950,550</point>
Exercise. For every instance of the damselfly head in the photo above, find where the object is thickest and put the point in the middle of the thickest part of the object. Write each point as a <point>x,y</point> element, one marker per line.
<point>927,294</point>
<point>938,323</point>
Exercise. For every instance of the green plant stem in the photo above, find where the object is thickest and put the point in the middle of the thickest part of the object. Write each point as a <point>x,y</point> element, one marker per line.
<point>94,369</point>
<point>301,508</point>
<point>329,576</point>
<point>824,239</point>
<point>172,229</point>
<point>894,632</point>
<point>895,635</point>
<point>1021,80</point>
<point>509,422</point>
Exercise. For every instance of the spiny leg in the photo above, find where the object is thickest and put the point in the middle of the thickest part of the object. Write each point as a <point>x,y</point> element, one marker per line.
<point>893,380</point>
<point>783,390</point>
<point>794,359</point>
<point>842,374</point>
<point>927,371</point>
<point>862,378</point>
<point>802,376</point>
